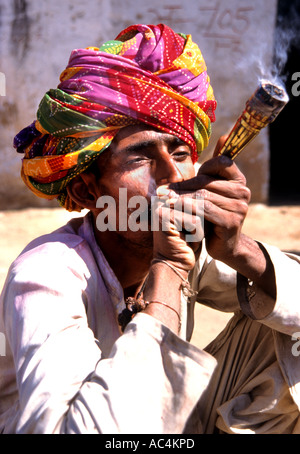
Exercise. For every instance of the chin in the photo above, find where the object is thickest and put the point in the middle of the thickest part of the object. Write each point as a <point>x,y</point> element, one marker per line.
<point>140,240</point>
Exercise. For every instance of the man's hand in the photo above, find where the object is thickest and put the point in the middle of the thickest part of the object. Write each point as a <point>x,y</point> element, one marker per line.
<point>180,228</point>
<point>226,198</point>
<point>223,188</point>
<point>220,189</point>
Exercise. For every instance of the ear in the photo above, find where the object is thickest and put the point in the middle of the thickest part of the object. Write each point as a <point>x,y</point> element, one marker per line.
<point>83,190</point>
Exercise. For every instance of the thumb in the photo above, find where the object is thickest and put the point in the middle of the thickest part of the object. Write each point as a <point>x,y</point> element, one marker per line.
<point>219,145</point>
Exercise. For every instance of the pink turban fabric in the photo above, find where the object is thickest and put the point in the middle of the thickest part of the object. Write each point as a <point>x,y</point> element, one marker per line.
<point>149,74</point>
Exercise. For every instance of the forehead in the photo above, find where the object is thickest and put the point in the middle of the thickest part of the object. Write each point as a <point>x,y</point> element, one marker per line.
<point>136,134</point>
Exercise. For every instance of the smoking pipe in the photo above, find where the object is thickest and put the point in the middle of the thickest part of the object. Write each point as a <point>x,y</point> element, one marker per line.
<point>261,109</point>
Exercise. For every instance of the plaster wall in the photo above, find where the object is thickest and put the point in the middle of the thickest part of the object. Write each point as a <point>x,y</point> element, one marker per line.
<point>37,36</point>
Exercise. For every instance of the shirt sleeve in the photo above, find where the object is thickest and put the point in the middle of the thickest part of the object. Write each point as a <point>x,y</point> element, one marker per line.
<point>215,283</point>
<point>285,314</point>
<point>220,287</point>
<point>150,382</point>
<point>149,385</point>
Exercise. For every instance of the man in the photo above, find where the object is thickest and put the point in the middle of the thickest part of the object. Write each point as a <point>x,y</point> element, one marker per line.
<point>133,115</point>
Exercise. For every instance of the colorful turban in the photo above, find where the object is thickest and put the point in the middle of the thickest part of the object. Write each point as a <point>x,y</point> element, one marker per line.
<point>149,74</point>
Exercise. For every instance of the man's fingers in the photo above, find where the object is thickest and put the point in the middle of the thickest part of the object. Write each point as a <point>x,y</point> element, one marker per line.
<point>181,220</point>
<point>230,196</point>
<point>230,189</point>
<point>222,167</point>
<point>215,169</point>
<point>220,211</point>
<point>191,185</point>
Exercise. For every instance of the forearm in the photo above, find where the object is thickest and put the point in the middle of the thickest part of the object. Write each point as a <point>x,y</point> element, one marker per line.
<point>253,262</point>
<point>250,260</point>
<point>164,285</point>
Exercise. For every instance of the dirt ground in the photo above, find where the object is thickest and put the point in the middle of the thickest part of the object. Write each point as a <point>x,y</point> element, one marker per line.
<point>276,225</point>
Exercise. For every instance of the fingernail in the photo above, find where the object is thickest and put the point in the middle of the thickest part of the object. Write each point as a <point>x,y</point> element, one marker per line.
<point>162,191</point>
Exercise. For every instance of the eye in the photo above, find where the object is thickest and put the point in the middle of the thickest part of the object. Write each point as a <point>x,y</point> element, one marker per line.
<point>181,154</point>
<point>138,160</point>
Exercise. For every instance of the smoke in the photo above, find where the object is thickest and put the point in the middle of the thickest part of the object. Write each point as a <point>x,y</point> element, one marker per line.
<point>260,64</point>
<point>286,38</point>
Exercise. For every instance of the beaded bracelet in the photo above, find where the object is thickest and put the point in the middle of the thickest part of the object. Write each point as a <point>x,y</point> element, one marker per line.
<point>133,306</point>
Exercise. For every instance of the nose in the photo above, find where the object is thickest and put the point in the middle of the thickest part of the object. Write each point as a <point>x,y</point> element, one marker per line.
<point>167,171</point>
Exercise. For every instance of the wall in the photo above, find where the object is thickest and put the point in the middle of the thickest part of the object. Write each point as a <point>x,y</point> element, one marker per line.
<point>37,36</point>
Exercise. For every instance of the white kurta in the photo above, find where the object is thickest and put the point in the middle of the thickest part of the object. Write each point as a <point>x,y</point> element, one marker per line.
<point>68,369</point>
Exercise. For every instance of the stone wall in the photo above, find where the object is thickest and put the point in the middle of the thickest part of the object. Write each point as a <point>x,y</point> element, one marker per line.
<point>37,36</point>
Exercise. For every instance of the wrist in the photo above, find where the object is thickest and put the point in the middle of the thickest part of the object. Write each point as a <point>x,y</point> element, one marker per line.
<point>182,262</point>
<point>173,265</point>
<point>185,285</point>
<point>244,256</point>
<point>133,306</point>
<point>161,298</point>
<point>251,260</point>
<point>163,311</point>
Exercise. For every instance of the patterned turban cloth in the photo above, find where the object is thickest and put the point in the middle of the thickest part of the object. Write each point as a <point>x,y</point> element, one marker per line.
<point>149,74</point>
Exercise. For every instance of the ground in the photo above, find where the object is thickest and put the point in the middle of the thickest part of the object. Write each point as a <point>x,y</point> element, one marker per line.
<point>276,225</point>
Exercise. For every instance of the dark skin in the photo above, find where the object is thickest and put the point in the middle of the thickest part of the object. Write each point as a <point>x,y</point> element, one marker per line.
<point>142,159</point>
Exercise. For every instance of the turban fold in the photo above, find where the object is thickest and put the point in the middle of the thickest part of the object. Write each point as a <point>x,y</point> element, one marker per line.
<point>149,74</point>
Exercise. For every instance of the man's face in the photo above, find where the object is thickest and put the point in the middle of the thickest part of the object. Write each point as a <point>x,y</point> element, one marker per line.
<point>139,160</point>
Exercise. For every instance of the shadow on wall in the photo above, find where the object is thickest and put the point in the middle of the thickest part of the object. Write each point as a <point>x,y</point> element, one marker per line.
<point>20,29</point>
